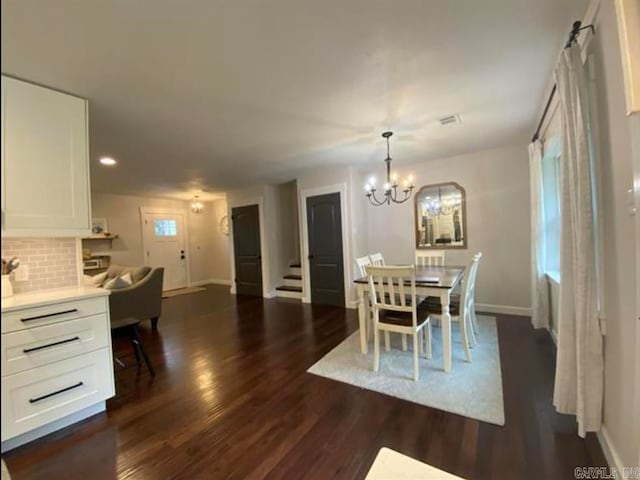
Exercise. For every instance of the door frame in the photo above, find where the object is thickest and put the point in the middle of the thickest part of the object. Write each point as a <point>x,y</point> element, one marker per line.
<point>264,252</point>
<point>184,213</point>
<point>340,188</point>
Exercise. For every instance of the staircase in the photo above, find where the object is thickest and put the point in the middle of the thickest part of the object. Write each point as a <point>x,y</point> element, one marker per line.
<point>292,287</point>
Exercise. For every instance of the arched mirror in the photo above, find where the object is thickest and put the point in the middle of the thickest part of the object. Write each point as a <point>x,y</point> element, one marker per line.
<point>441,216</point>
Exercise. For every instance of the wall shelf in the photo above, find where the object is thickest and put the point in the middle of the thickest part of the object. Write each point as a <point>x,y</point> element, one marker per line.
<point>101,237</point>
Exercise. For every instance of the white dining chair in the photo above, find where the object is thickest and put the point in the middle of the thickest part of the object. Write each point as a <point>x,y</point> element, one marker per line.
<point>363,262</point>
<point>430,258</point>
<point>377,259</point>
<point>393,313</point>
<point>462,310</point>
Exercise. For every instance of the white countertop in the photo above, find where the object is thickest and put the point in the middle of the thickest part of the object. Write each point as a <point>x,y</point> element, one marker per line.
<point>48,297</point>
<point>391,464</point>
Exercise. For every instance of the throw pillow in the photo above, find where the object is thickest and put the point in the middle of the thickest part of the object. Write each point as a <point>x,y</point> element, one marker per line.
<point>119,282</point>
<point>95,280</point>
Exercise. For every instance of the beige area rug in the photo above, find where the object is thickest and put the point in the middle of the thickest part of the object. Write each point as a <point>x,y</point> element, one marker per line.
<point>473,390</point>
<point>182,291</point>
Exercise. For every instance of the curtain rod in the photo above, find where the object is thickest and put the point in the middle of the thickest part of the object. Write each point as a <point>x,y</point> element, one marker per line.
<point>573,36</point>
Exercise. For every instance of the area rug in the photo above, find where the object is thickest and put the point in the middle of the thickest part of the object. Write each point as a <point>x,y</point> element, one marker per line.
<point>473,389</point>
<point>182,291</point>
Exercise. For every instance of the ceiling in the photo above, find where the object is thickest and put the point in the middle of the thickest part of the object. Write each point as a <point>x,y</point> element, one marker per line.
<point>209,95</point>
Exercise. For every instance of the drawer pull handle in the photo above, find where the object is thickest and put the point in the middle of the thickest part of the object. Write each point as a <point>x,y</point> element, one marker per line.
<point>39,317</point>
<point>57,392</point>
<point>68,340</point>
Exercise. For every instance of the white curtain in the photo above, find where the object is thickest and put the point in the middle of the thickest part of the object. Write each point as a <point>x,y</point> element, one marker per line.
<point>539,284</point>
<point>579,367</point>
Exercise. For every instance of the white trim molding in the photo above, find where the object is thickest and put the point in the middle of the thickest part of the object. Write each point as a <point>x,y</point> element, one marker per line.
<point>211,281</point>
<point>305,193</point>
<point>264,252</point>
<point>503,309</point>
<point>610,452</point>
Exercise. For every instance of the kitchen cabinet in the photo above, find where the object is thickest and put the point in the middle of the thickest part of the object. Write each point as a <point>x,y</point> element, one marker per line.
<point>56,361</point>
<point>45,162</point>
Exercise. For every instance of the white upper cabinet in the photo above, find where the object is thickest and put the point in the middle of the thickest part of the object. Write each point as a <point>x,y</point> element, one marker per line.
<point>45,162</point>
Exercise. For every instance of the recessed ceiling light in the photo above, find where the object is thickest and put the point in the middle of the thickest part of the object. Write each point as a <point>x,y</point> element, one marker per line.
<point>108,161</point>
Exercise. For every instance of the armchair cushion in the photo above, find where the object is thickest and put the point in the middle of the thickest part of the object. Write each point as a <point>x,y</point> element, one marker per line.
<point>137,273</point>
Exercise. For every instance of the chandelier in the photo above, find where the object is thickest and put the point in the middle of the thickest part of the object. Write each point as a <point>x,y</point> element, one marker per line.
<point>196,205</point>
<point>438,207</point>
<point>392,192</point>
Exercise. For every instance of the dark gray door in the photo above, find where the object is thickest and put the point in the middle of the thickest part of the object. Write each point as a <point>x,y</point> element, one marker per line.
<point>246,247</point>
<point>325,249</point>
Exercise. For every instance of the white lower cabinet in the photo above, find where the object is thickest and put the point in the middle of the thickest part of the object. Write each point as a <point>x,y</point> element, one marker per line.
<point>56,361</point>
<point>36,397</point>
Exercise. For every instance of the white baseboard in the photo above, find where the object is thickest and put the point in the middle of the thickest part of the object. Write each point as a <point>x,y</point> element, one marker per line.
<point>209,281</point>
<point>504,309</point>
<point>271,294</point>
<point>53,426</point>
<point>610,452</point>
<point>554,336</point>
<point>352,304</point>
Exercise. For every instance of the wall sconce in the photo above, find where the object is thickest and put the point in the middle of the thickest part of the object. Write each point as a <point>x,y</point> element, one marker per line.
<point>196,205</point>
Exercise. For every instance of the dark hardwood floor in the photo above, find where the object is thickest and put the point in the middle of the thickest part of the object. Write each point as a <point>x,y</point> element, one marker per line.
<point>232,399</point>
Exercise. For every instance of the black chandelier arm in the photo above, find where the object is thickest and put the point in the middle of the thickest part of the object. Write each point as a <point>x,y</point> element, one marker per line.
<point>374,200</point>
<point>407,195</point>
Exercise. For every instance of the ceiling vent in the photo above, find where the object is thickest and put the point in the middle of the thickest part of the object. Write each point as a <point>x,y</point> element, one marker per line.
<point>450,120</point>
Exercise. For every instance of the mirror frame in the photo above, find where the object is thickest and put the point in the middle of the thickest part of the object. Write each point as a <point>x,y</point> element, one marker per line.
<point>464,218</point>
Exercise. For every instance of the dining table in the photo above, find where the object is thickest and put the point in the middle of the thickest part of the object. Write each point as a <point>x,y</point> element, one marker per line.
<point>431,281</point>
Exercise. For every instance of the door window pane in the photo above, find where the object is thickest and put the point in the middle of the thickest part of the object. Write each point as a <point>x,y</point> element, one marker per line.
<point>165,228</point>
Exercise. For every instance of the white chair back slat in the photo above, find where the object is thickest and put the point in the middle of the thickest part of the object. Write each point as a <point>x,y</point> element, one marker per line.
<point>362,262</point>
<point>430,258</point>
<point>377,259</point>
<point>383,282</point>
<point>469,284</point>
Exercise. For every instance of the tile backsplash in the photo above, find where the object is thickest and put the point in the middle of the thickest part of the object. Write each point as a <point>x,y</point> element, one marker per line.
<point>52,262</point>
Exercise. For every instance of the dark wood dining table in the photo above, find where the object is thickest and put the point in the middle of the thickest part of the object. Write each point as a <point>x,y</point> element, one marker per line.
<point>436,281</point>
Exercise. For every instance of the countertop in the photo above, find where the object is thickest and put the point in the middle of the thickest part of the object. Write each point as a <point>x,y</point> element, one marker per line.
<point>49,297</point>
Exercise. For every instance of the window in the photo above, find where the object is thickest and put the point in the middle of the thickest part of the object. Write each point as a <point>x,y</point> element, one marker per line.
<point>165,228</point>
<point>551,201</point>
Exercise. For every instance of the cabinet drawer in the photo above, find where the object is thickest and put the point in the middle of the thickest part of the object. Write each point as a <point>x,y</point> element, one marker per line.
<point>38,346</point>
<point>45,315</point>
<point>39,396</point>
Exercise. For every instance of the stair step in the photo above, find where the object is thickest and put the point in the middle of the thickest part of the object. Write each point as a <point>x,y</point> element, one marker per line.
<point>293,276</point>
<point>295,265</point>
<point>289,291</point>
<point>288,288</point>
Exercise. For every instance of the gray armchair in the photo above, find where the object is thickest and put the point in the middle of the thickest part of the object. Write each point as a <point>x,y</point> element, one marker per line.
<point>143,299</point>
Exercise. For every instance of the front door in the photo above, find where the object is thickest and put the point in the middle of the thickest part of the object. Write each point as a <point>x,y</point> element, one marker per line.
<point>246,248</point>
<point>326,268</point>
<point>165,247</point>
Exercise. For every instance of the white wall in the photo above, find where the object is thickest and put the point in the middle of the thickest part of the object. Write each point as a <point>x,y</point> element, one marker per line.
<point>619,242</point>
<point>498,221</point>
<point>123,216</point>
<point>219,262</point>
